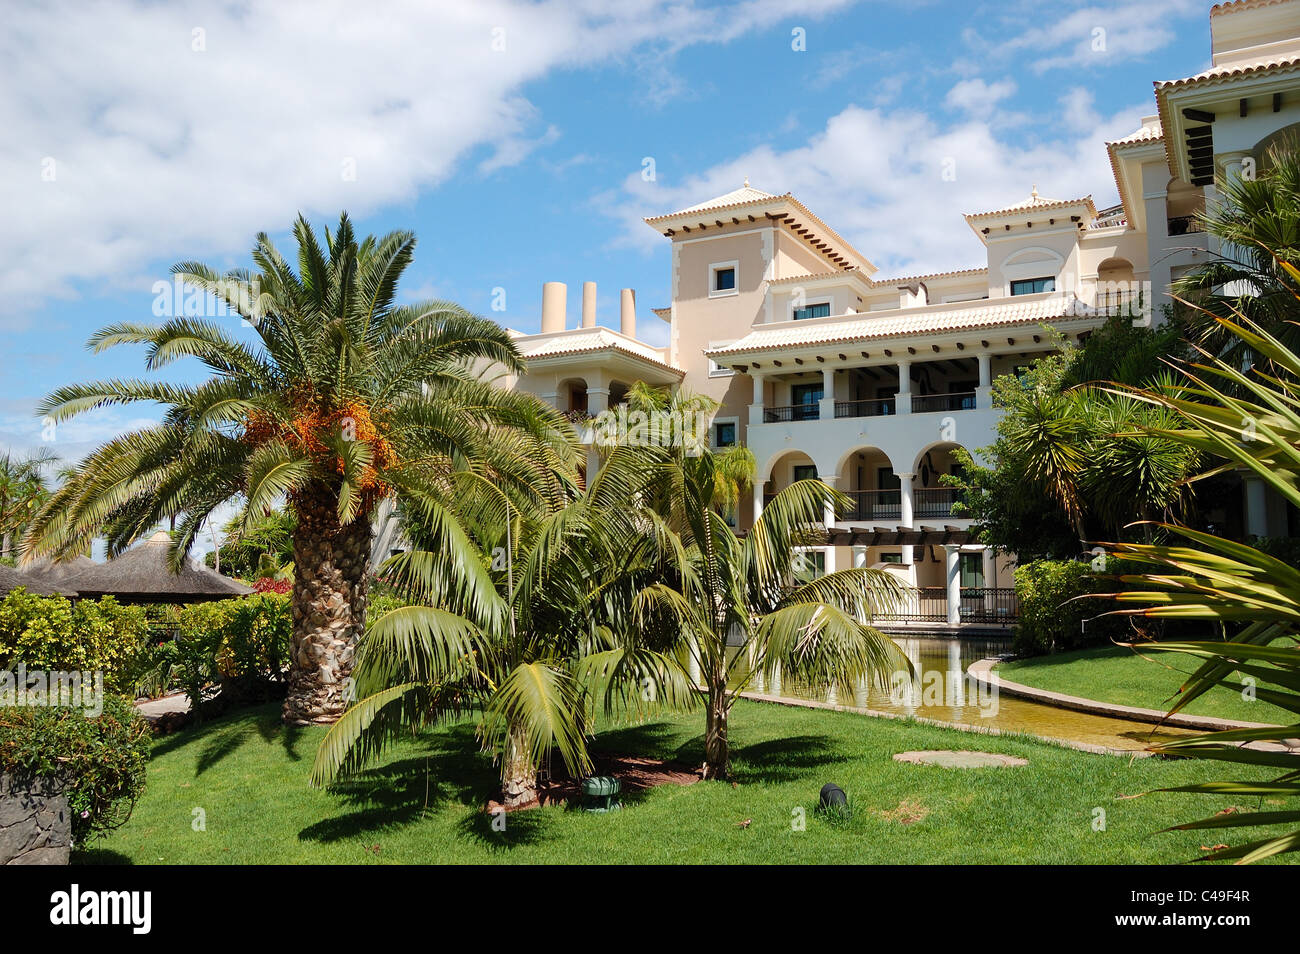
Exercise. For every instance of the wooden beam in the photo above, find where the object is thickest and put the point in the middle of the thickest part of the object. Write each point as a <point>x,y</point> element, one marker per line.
<point>934,348</point>
<point>911,350</point>
<point>1245,109</point>
<point>1277,102</point>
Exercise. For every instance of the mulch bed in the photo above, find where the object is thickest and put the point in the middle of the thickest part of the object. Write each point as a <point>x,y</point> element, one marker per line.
<point>636,773</point>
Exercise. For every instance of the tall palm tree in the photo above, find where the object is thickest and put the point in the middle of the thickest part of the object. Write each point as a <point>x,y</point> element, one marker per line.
<point>736,604</point>
<point>22,493</point>
<point>341,398</point>
<point>534,634</point>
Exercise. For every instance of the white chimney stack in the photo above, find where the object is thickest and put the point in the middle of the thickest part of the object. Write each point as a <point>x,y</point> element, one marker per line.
<point>589,304</point>
<point>555,305</point>
<point>627,313</point>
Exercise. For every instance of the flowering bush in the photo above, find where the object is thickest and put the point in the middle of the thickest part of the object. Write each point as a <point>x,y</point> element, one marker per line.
<point>269,584</point>
<point>51,633</point>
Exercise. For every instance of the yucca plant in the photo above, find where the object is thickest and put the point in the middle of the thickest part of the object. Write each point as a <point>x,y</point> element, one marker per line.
<point>1251,420</point>
<point>338,398</point>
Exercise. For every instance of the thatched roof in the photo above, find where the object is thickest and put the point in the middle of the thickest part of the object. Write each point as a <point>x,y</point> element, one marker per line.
<point>11,579</point>
<point>47,571</point>
<point>141,575</point>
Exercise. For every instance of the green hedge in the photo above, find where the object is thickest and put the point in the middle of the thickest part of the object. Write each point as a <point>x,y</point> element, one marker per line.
<point>100,761</point>
<point>52,633</point>
<point>1053,617</point>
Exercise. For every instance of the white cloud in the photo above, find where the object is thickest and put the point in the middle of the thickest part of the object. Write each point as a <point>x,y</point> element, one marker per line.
<point>977,97</point>
<point>1093,37</point>
<point>876,177</point>
<point>179,130</point>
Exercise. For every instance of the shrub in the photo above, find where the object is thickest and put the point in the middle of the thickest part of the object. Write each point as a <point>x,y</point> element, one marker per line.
<point>100,761</point>
<point>51,633</point>
<point>1052,617</point>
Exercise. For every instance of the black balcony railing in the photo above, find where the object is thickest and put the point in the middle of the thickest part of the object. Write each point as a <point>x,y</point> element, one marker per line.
<point>877,407</point>
<point>872,505</point>
<point>1184,225</point>
<point>956,401</point>
<point>934,501</point>
<point>981,605</point>
<point>792,412</point>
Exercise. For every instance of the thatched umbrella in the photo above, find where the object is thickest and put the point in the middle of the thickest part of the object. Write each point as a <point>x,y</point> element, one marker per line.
<point>11,579</point>
<point>141,575</point>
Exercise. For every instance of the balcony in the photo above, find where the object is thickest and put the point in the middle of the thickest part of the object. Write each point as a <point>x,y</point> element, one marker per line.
<point>1184,225</point>
<point>955,401</point>
<point>934,501</point>
<point>980,605</point>
<point>792,412</point>
<point>872,505</point>
<point>879,407</point>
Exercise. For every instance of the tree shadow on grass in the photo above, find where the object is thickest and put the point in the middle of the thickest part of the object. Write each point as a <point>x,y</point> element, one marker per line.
<point>100,856</point>
<point>784,760</point>
<point>660,740</point>
<point>398,793</point>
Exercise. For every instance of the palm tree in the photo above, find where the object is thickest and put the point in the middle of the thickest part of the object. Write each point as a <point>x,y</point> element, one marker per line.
<point>1232,585</point>
<point>342,398</point>
<point>1258,224</point>
<point>532,635</point>
<point>736,604</point>
<point>22,493</point>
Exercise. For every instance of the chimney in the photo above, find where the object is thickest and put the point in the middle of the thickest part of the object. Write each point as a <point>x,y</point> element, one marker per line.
<point>627,313</point>
<point>589,304</point>
<point>554,306</point>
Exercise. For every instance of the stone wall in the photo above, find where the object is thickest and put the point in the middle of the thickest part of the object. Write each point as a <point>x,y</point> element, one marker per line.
<point>35,825</point>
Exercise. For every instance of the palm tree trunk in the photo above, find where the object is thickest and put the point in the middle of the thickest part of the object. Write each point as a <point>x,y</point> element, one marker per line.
<point>329,607</point>
<point>518,773</point>
<point>716,750</point>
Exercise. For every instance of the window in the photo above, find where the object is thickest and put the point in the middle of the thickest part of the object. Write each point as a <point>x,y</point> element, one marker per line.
<point>891,558</point>
<point>972,570</point>
<point>723,279</point>
<point>1032,286</point>
<point>804,472</point>
<point>808,565</point>
<point>805,398</point>
<point>724,434</point>
<point>818,309</point>
<point>718,370</point>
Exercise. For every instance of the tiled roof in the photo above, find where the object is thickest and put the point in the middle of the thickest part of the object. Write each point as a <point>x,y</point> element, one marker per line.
<point>1034,202</point>
<point>1004,312</point>
<point>1229,72</point>
<point>589,340</point>
<point>1144,134</point>
<point>1233,6</point>
<point>820,276</point>
<point>744,194</point>
<point>933,276</point>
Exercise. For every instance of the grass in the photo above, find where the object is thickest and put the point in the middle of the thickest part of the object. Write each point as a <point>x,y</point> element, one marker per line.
<point>421,803</point>
<point>1118,675</point>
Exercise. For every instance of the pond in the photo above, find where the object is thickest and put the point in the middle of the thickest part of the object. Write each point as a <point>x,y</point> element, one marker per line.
<point>943,691</point>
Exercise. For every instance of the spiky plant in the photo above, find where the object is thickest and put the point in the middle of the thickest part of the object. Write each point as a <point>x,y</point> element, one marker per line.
<point>337,398</point>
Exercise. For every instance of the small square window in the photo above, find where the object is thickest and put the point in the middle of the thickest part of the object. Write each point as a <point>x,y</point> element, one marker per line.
<point>724,434</point>
<point>724,279</point>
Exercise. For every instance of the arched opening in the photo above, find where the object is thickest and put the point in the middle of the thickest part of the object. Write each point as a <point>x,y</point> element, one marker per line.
<point>1184,203</point>
<point>571,396</point>
<point>866,476</point>
<point>931,497</point>
<point>1115,284</point>
<point>1286,138</point>
<point>785,469</point>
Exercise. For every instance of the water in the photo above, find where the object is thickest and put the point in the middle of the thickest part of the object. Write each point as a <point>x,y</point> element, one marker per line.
<point>943,692</point>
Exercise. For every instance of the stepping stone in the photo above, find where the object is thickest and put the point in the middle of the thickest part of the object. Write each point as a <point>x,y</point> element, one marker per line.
<point>946,758</point>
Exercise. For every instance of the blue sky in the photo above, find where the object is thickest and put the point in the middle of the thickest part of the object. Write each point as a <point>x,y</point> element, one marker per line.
<point>178,131</point>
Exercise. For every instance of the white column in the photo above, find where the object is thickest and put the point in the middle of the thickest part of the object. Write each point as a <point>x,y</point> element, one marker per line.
<point>984,393</point>
<point>904,400</point>
<point>830,524</point>
<point>905,518</point>
<point>826,407</point>
<point>952,574</point>
<point>758,499</point>
<point>597,404</point>
<point>756,406</point>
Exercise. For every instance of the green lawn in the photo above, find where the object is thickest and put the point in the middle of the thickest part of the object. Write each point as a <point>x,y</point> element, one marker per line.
<point>249,775</point>
<point>1118,675</point>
